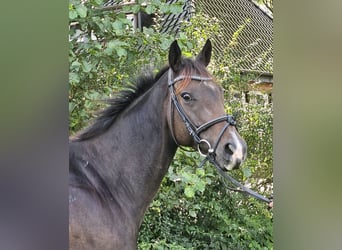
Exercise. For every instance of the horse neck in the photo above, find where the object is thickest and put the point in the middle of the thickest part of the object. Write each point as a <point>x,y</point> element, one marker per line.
<point>133,156</point>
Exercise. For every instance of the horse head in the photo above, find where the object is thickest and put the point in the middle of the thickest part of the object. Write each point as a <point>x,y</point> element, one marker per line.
<point>197,115</point>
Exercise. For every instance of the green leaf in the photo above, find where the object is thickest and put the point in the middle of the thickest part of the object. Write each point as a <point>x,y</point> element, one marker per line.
<point>99,2</point>
<point>74,78</point>
<point>111,44</point>
<point>189,192</point>
<point>187,54</point>
<point>200,186</point>
<point>92,95</point>
<point>176,8</point>
<point>97,45</point>
<point>164,8</point>
<point>124,20</point>
<point>72,14</point>
<point>108,51</point>
<point>193,213</point>
<point>200,172</point>
<point>120,51</point>
<point>117,25</point>
<point>165,44</point>
<point>246,172</point>
<point>135,8</point>
<point>86,67</point>
<point>150,9</point>
<point>71,106</point>
<point>81,10</point>
<point>75,65</point>
<point>116,43</point>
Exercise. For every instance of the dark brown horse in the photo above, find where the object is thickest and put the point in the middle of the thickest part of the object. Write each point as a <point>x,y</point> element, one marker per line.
<point>118,163</point>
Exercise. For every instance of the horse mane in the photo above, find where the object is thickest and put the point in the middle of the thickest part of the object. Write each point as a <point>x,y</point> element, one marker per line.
<point>106,117</point>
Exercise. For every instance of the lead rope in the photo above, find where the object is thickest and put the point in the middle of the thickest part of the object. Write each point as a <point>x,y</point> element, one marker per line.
<point>211,158</point>
<point>243,189</point>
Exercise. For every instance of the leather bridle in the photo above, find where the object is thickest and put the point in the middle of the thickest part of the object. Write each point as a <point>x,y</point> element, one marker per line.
<point>195,131</point>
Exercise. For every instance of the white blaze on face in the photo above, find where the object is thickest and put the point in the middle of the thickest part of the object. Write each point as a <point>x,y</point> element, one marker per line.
<point>209,84</point>
<point>238,153</point>
<point>213,87</point>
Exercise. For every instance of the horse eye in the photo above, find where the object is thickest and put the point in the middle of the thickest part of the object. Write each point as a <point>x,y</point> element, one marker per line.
<point>186,96</point>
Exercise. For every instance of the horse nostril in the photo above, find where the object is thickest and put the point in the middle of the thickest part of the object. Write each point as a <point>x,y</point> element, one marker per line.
<point>229,148</point>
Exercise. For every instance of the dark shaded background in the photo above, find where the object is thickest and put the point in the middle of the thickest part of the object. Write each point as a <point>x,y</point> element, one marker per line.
<point>34,125</point>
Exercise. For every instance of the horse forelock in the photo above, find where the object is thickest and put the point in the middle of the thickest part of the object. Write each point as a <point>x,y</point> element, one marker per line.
<point>190,68</point>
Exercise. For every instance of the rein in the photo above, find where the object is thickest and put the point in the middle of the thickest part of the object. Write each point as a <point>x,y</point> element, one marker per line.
<point>195,131</point>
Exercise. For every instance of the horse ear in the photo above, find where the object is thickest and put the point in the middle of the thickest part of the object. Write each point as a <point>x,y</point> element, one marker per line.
<point>205,54</point>
<point>175,56</point>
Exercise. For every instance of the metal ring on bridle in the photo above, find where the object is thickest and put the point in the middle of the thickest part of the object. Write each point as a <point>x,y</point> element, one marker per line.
<point>210,149</point>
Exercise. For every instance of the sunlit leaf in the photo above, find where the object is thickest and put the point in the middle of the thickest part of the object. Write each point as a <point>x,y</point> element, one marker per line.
<point>81,10</point>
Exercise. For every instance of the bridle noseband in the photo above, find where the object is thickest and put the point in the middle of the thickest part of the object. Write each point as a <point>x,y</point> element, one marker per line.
<point>195,131</point>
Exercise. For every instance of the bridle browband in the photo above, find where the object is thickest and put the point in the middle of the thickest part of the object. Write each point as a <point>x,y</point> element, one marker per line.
<point>195,131</point>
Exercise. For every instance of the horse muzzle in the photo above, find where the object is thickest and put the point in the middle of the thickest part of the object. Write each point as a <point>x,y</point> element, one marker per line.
<point>233,153</point>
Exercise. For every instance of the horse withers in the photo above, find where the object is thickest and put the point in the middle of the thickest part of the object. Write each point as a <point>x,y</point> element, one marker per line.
<point>118,162</point>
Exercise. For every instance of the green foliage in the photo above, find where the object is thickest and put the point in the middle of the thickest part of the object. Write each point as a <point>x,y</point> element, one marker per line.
<point>106,51</point>
<point>193,209</point>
